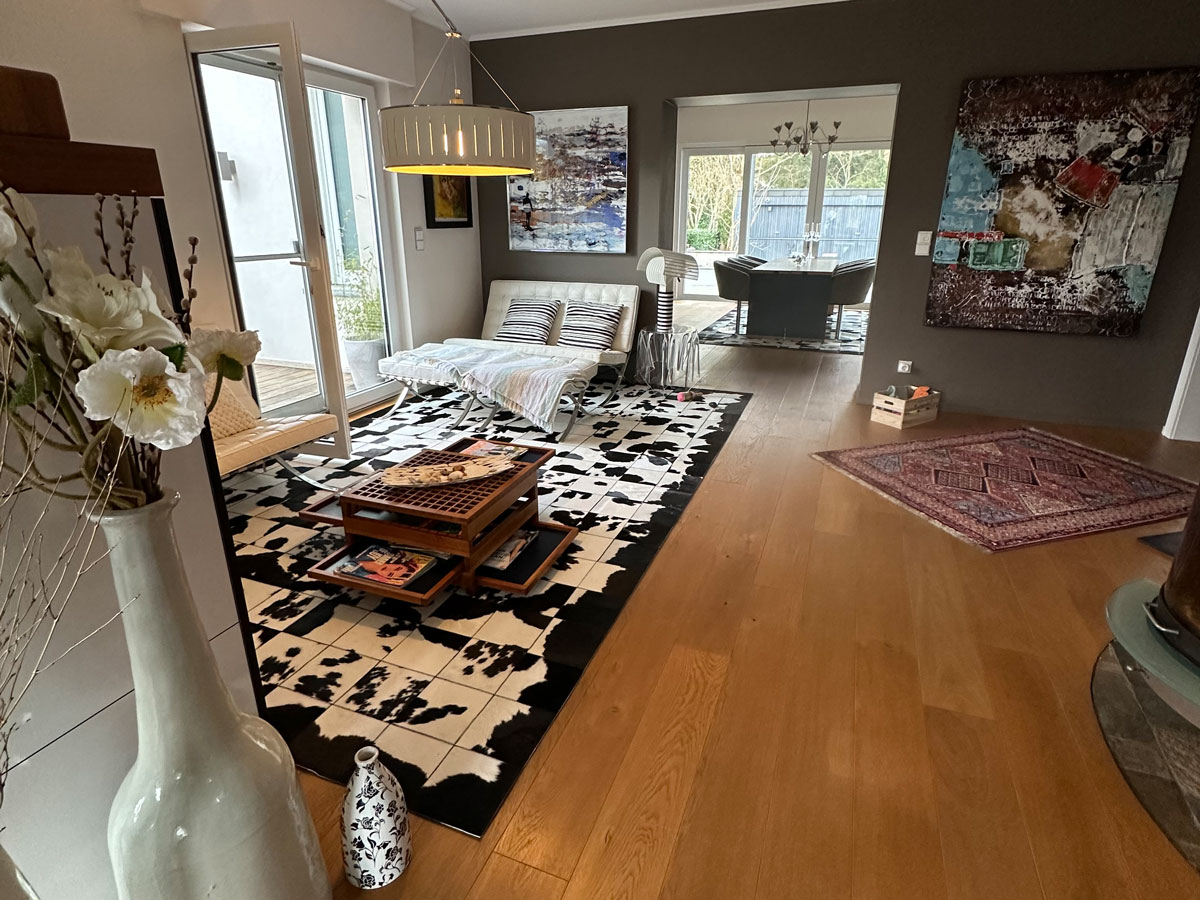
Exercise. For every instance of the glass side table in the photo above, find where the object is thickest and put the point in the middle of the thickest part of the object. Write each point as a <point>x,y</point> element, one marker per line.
<point>669,359</point>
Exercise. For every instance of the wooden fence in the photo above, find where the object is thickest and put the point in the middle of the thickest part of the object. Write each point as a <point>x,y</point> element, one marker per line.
<point>850,221</point>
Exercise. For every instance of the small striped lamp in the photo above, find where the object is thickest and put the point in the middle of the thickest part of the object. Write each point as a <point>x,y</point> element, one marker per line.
<point>666,268</point>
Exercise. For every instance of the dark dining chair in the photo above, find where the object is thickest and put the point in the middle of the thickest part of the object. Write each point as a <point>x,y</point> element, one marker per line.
<point>733,282</point>
<point>850,286</point>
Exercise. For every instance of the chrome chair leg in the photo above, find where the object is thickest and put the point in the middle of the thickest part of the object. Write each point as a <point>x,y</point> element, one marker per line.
<point>467,407</point>
<point>837,334</point>
<point>576,408</point>
<point>400,399</point>
<point>296,473</point>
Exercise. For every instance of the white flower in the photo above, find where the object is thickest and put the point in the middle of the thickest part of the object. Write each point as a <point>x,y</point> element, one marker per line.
<point>11,237</point>
<point>209,344</point>
<point>145,396</point>
<point>16,304</point>
<point>111,313</point>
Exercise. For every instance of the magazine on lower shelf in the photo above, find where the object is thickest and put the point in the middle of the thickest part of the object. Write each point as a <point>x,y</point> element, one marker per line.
<point>490,448</point>
<point>393,566</point>
<point>510,549</point>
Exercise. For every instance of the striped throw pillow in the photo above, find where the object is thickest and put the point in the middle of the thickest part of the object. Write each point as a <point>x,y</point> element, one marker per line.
<point>590,325</point>
<point>528,321</point>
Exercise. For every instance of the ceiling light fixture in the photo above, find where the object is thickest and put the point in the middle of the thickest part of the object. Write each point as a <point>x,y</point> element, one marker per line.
<point>457,138</point>
<point>791,139</point>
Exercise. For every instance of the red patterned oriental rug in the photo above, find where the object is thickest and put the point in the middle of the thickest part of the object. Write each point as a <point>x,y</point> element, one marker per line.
<point>1007,489</point>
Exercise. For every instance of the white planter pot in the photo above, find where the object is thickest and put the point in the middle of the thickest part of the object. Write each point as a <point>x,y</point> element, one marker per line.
<point>376,840</point>
<point>13,885</point>
<point>211,808</point>
<point>362,358</point>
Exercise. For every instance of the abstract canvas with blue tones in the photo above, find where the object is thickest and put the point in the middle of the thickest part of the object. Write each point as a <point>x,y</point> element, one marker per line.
<point>575,201</point>
<point>1058,194</point>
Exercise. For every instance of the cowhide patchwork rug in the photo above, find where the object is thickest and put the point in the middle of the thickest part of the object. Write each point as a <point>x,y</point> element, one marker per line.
<point>457,694</point>
<point>852,339</point>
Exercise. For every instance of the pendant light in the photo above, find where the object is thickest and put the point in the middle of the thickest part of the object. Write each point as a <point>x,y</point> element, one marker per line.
<point>456,138</point>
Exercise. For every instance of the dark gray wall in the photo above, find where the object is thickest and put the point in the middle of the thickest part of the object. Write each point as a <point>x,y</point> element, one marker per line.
<point>929,48</point>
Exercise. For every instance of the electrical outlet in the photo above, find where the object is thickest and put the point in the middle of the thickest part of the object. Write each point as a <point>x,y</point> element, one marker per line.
<point>904,366</point>
<point>924,239</point>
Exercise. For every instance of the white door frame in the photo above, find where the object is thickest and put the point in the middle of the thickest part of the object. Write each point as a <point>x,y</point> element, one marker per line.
<point>393,296</point>
<point>296,120</point>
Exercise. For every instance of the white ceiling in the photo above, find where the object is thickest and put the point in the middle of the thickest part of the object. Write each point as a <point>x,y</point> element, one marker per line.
<point>485,19</point>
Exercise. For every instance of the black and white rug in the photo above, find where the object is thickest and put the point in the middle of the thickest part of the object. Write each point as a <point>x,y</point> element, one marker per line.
<point>853,339</point>
<point>457,694</point>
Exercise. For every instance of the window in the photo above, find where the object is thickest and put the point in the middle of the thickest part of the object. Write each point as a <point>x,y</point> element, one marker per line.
<point>839,191</point>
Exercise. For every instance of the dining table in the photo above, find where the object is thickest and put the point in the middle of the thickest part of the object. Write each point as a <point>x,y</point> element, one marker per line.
<point>790,298</point>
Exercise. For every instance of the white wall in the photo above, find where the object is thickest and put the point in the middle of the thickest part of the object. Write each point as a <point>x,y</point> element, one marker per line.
<point>747,124</point>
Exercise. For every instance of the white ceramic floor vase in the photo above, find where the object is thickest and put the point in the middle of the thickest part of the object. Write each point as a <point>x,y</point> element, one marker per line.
<point>13,885</point>
<point>376,841</point>
<point>211,808</point>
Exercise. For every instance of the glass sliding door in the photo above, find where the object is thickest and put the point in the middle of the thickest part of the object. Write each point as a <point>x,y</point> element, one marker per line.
<point>778,204</point>
<point>341,111</point>
<point>252,97</point>
<point>854,184</point>
<point>244,98</point>
<point>712,213</point>
<point>839,190</point>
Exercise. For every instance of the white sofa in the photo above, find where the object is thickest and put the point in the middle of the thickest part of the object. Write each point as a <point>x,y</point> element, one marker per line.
<point>408,368</point>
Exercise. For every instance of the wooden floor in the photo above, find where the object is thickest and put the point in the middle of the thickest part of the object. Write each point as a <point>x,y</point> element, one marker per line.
<point>280,385</point>
<point>814,694</point>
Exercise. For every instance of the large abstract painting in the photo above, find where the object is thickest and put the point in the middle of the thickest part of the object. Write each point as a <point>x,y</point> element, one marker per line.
<point>1057,199</point>
<point>575,200</point>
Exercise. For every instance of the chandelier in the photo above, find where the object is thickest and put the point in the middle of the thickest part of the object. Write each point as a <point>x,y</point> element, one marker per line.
<point>791,139</point>
<point>456,138</point>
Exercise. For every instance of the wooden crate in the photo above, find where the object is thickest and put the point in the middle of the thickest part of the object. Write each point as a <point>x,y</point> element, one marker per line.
<point>896,412</point>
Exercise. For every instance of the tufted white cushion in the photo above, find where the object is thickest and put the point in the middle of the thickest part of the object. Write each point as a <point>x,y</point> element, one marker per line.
<point>230,415</point>
<point>622,295</point>
<point>606,357</point>
<point>270,436</point>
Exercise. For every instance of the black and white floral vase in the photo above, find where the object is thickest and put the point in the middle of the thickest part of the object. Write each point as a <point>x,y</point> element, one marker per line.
<point>376,841</point>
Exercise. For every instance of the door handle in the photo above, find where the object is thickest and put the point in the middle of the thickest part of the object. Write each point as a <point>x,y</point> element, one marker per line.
<point>300,262</point>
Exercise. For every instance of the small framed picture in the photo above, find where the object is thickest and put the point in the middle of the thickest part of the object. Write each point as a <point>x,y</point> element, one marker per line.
<point>447,201</point>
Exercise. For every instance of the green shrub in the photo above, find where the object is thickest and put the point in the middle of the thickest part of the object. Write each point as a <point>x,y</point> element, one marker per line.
<point>359,305</point>
<point>703,239</point>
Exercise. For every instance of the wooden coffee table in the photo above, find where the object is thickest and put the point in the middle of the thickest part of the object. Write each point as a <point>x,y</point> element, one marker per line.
<point>464,524</point>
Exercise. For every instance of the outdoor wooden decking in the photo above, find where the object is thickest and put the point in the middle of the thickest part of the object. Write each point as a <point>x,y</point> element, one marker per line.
<point>280,385</point>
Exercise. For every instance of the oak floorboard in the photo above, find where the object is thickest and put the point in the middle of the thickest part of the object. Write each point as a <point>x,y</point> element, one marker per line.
<point>629,849</point>
<point>1073,842</point>
<point>897,854</point>
<point>808,838</point>
<point>984,845</point>
<point>506,879</point>
<point>550,828</point>
<point>711,858</point>
<point>951,673</point>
